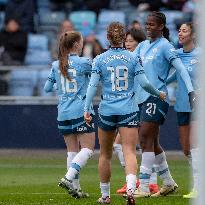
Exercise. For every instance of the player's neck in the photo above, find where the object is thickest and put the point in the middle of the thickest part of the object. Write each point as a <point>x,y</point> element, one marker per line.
<point>116,46</point>
<point>189,47</point>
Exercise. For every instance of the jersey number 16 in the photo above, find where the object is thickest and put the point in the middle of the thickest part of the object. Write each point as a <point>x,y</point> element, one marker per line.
<point>69,86</point>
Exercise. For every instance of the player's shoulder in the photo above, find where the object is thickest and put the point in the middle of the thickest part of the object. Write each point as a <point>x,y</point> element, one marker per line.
<point>84,60</point>
<point>179,51</point>
<point>100,57</point>
<point>55,65</point>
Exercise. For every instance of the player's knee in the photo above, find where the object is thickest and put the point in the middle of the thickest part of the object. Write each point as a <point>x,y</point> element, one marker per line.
<point>87,151</point>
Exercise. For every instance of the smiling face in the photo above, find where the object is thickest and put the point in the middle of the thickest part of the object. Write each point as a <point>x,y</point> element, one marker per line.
<point>130,43</point>
<point>153,27</point>
<point>185,34</point>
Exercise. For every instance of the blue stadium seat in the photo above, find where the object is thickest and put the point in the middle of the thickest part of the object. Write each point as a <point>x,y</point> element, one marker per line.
<point>3,2</point>
<point>83,21</point>
<point>22,82</point>
<point>51,18</point>
<point>108,16</point>
<point>43,4</point>
<point>38,57</point>
<point>42,77</point>
<point>2,16</point>
<point>172,15</point>
<point>139,16</point>
<point>101,37</point>
<point>38,42</point>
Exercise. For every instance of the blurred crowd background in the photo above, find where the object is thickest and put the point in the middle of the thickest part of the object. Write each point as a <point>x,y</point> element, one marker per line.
<point>30,30</point>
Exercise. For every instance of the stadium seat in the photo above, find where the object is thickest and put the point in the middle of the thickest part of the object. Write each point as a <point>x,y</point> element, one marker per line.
<point>108,16</point>
<point>83,21</point>
<point>2,16</point>
<point>42,77</point>
<point>139,16</point>
<point>51,18</point>
<point>3,2</point>
<point>37,42</point>
<point>22,82</point>
<point>38,57</point>
<point>45,4</point>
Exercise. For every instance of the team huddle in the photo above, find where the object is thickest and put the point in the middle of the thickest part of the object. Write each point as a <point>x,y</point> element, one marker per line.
<point>134,104</point>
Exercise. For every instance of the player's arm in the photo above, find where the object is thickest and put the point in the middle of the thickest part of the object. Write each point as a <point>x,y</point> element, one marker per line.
<point>145,84</point>
<point>49,85</point>
<point>91,91</point>
<point>172,78</point>
<point>141,78</point>
<point>177,63</point>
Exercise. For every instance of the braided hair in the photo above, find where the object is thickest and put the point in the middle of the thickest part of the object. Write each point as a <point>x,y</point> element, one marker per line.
<point>161,19</point>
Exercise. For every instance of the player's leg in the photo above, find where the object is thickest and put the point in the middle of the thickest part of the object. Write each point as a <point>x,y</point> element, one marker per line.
<point>194,162</point>
<point>163,171</point>
<point>72,149</point>
<point>147,132</point>
<point>118,150</point>
<point>129,142</point>
<point>106,140</point>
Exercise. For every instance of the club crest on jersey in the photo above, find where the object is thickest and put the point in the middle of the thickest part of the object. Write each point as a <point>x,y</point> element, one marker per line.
<point>193,61</point>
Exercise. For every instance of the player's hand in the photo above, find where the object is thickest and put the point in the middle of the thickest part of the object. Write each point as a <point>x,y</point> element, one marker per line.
<point>87,118</point>
<point>162,95</point>
<point>192,99</point>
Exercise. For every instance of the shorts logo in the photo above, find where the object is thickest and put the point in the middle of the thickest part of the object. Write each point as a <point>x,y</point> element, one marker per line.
<point>134,122</point>
<point>81,129</point>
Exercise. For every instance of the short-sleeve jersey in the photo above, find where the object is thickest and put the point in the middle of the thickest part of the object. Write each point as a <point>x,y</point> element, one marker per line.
<point>156,60</point>
<point>117,69</point>
<point>190,61</point>
<point>71,92</point>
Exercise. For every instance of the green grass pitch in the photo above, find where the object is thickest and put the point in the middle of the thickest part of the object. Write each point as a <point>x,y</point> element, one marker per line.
<point>30,179</point>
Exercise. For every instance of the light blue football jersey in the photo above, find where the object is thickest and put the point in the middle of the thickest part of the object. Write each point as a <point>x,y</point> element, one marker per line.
<point>71,93</point>
<point>117,69</point>
<point>190,61</point>
<point>156,60</point>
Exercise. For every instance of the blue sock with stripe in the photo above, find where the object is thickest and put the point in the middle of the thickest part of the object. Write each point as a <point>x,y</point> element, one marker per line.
<point>148,159</point>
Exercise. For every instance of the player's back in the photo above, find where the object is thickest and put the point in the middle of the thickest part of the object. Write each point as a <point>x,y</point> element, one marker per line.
<point>71,92</point>
<point>117,70</point>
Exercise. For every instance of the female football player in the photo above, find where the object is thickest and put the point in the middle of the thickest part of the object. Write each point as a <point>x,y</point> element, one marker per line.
<point>157,56</point>
<point>189,55</point>
<point>70,73</point>
<point>132,39</point>
<point>117,70</point>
